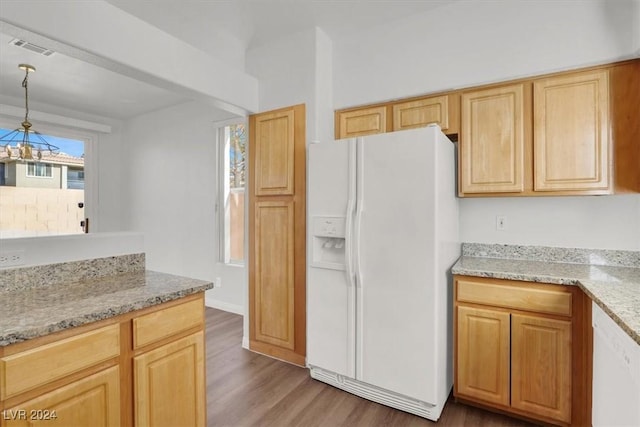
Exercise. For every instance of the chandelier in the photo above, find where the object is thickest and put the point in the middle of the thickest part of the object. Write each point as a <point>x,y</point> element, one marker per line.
<point>24,142</point>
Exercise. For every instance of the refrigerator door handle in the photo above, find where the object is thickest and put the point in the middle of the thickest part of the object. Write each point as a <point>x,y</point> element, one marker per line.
<point>351,206</point>
<point>359,208</point>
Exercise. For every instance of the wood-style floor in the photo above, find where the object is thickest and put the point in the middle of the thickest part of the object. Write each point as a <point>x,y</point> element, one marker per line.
<point>248,389</point>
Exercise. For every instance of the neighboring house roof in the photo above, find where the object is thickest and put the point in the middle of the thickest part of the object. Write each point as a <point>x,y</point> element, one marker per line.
<point>59,158</point>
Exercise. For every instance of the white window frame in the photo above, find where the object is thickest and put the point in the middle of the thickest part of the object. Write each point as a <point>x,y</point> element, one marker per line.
<point>222,210</point>
<point>90,159</point>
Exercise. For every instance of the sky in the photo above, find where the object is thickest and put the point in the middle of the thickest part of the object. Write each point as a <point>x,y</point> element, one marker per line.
<point>69,146</point>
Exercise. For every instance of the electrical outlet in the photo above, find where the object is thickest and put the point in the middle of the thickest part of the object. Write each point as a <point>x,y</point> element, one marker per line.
<point>11,259</point>
<point>218,282</point>
<point>501,222</point>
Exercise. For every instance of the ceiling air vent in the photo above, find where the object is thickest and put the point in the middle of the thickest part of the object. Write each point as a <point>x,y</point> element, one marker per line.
<point>32,47</point>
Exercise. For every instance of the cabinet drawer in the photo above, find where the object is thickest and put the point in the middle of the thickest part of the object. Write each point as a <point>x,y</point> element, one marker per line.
<point>32,368</point>
<point>513,296</point>
<point>161,324</point>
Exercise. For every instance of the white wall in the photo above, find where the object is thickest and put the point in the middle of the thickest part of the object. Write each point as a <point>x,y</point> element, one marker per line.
<point>297,70</point>
<point>170,193</point>
<point>323,89</point>
<point>55,249</point>
<point>111,210</point>
<point>472,42</point>
<point>603,222</point>
<point>285,70</point>
<point>468,43</point>
<point>212,40</point>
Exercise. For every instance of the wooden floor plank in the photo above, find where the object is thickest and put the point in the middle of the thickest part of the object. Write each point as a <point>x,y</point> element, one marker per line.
<point>249,389</point>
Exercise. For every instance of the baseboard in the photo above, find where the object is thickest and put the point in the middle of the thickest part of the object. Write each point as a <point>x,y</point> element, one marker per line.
<point>245,342</point>
<point>224,306</point>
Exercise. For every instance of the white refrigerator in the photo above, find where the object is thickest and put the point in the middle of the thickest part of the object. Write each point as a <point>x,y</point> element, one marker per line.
<point>383,236</point>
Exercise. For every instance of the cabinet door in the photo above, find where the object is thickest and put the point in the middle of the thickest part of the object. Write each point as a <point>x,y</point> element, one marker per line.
<point>91,401</point>
<point>421,112</point>
<point>541,366</point>
<point>273,296</point>
<point>273,154</point>
<point>169,384</point>
<point>571,132</point>
<point>366,121</point>
<point>277,238</point>
<point>492,142</point>
<point>482,356</point>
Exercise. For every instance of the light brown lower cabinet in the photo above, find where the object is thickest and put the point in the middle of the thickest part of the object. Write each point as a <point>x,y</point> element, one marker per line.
<point>483,355</point>
<point>523,348</point>
<point>175,370</point>
<point>144,368</point>
<point>541,366</point>
<point>90,401</point>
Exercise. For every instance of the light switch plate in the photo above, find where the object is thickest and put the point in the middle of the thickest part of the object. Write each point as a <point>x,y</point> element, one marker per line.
<point>501,222</point>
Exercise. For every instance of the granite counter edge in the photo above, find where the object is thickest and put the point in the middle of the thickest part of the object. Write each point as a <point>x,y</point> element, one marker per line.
<point>98,315</point>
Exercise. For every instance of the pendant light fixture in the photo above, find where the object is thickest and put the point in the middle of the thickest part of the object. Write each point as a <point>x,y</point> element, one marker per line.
<point>25,143</point>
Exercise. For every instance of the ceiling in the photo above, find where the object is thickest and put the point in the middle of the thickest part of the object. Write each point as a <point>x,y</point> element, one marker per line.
<point>255,22</point>
<point>70,83</point>
<point>76,85</point>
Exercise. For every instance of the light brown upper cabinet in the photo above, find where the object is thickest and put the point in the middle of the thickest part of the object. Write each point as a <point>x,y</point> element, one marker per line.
<point>277,256</point>
<point>442,110</point>
<point>624,104</point>
<point>571,128</point>
<point>366,121</point>
<point>421,112</point>
<point>578,127</point>
<point>562,134</point>
<point>492,156</point>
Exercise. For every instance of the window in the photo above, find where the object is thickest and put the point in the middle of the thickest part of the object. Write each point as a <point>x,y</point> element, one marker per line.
<point>232,143</point>
<point>41,170</point>
<point>50,191</point>
<point>75,178</point>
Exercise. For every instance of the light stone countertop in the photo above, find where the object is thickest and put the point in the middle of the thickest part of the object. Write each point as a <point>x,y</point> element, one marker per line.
<point>614,288</point>
<point>41,310</point>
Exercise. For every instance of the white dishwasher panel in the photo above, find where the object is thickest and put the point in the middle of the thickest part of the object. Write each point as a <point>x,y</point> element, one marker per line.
<point>616,374</point>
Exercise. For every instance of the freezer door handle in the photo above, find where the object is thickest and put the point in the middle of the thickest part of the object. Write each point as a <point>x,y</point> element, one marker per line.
<point>351,206</point>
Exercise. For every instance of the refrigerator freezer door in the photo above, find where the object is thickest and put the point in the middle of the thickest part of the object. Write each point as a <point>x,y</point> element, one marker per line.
<point>330,293</point>
<point>396,288</point>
